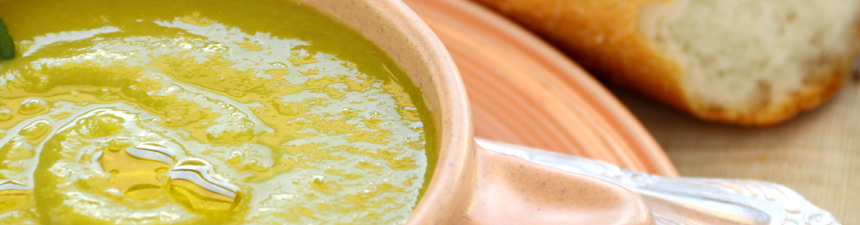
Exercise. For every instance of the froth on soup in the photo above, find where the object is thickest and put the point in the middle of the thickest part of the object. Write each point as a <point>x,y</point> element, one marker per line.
<point>199,112</point>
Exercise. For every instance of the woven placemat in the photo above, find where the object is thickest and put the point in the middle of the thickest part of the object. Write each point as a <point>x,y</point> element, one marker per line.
<point>817,154</point>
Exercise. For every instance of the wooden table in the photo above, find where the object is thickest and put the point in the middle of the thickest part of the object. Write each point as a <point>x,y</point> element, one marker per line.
<point>817,154</point>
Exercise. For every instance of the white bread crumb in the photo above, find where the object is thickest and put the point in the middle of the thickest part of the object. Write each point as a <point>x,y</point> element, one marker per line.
<point>749,55</point>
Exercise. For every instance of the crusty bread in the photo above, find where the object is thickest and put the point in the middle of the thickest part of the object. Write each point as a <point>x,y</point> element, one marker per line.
<point>746,62</point>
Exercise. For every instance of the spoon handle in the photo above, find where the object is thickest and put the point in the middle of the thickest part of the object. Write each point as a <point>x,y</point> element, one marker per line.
<point>687,200</point>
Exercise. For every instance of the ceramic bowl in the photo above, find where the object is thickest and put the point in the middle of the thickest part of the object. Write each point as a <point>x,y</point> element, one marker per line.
<point>472,185</point>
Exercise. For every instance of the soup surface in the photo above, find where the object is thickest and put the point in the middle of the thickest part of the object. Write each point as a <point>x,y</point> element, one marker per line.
<point>198,112</point>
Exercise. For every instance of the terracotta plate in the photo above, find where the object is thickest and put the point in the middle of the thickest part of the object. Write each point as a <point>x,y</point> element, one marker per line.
<point>525,92</point>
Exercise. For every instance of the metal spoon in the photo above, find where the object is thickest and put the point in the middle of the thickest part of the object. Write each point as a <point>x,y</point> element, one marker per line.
<point>687,200</point>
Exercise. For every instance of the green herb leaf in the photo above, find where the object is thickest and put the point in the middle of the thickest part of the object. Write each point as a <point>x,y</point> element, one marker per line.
<point>7,47</point>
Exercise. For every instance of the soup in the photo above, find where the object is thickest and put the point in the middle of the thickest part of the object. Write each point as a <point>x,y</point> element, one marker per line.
<point>218,111</point>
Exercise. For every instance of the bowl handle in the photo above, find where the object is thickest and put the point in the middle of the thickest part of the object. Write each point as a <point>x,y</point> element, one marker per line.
<point>684,200</point>
<point>510,190</point>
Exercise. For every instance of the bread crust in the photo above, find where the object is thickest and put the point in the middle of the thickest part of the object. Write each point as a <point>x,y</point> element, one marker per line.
<point>602,36</point>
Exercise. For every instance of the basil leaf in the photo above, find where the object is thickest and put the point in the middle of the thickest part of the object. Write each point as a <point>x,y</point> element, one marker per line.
<point>7,47</point>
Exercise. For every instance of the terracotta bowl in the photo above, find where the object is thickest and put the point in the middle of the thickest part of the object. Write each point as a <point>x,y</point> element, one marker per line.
<point>472,185</point>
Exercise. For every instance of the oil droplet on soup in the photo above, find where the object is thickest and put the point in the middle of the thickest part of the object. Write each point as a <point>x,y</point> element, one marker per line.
<point>200,112</point>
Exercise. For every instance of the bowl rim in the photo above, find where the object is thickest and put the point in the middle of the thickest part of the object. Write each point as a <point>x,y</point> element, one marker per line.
<point>452,116</point>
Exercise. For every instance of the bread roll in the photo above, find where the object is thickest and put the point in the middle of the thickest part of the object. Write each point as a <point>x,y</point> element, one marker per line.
<point>745,62</point>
